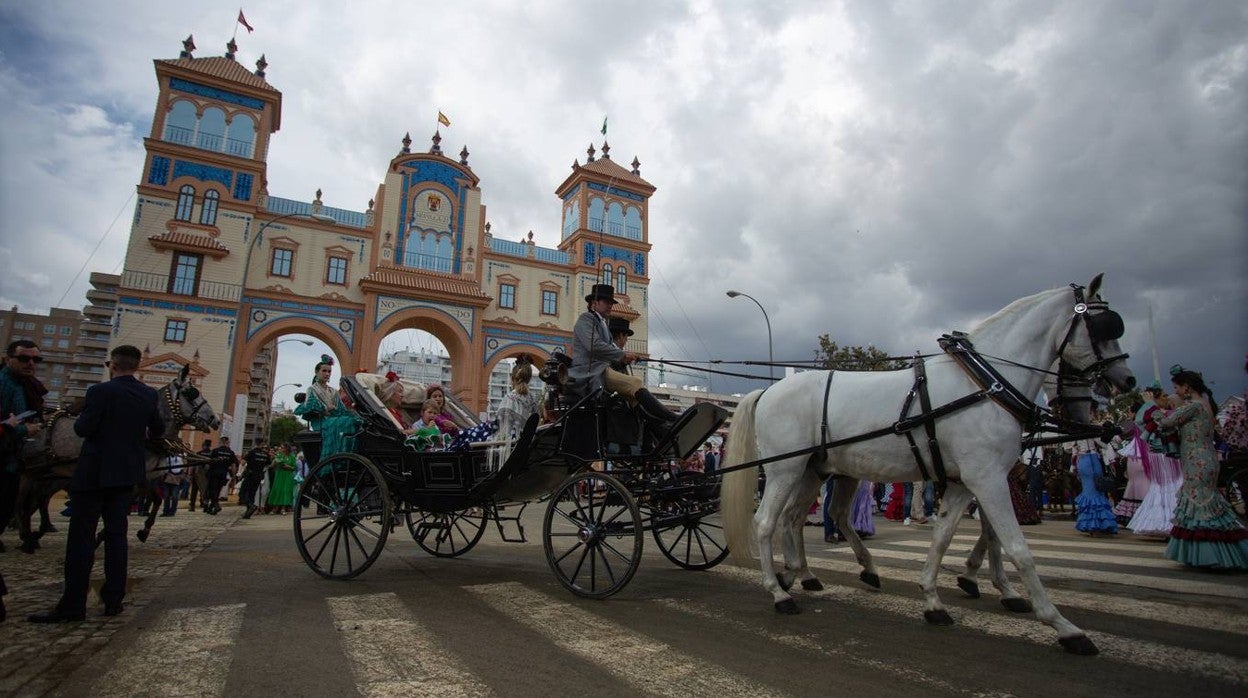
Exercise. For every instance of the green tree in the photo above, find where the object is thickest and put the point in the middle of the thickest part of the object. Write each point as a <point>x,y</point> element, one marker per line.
<point>831,355</point>
<point>282,429</point>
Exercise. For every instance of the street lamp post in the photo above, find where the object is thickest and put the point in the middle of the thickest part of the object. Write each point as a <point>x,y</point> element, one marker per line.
<point>242,291</point>
<point>771,358</point>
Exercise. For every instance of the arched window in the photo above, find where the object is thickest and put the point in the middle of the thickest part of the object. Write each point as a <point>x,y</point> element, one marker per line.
<point>597,214</point>
<point>186,202</point>
<point>180,124</point>
<point>632,223</point>
<point>208,215</point>
<point>571,218</point>
<point>615,219</point>
<point>211,130</point>
<point>606,273</point>
<point>622,279</point>
<point>242,136</point>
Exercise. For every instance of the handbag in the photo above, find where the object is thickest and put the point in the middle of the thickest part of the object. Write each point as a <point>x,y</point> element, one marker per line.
<point>1105,483</point>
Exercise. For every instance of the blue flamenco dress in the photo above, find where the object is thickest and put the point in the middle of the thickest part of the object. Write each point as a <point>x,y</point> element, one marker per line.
<point>336,424</point>
<point>1096,514</point>
<point>1206,532</point>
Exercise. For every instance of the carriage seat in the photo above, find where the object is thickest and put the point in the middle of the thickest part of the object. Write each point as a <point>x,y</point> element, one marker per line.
<point>413,394</point>
<point>368,400</point>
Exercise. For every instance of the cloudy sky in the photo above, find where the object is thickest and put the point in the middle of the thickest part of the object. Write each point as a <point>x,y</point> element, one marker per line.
<point>882,172</point>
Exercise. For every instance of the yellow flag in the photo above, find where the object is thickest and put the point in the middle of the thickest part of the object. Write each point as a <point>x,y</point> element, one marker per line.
<point>443,120</point>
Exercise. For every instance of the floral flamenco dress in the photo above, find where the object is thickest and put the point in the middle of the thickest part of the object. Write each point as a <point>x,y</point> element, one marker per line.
<point>326,414</point>
<point>1095,513</point>
<point>1206,532</point>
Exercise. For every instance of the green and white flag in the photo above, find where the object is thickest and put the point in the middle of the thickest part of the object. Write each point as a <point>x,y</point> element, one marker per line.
<point>604,125</point>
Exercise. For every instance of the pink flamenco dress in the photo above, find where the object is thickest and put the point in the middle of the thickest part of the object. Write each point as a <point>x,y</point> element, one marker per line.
<point>1138,483</point>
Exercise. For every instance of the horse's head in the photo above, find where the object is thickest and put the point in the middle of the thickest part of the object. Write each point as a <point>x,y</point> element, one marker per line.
<point>1090,345</point>
<point>182,404</point>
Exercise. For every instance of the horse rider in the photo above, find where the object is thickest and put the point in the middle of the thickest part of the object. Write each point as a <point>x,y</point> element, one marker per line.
<point>593,352</point>
<point>118,418</point>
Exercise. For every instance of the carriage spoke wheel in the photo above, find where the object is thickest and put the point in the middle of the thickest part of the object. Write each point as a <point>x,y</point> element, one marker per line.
<point>342,516</point>
<point>447,534</point>
<point>593,535</point>
<point>689,529</point>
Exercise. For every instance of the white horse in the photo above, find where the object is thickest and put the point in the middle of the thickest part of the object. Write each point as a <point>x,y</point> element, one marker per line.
<point>1070,400</point>
<point>979,442</point>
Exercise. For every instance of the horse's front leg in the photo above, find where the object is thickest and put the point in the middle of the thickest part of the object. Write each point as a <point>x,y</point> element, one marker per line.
<point>955,501</point>
<point>1011,599</point>
<point>994,499</point>
<point>841,510</point>
<point>968,581</point>
<point>154,501</point>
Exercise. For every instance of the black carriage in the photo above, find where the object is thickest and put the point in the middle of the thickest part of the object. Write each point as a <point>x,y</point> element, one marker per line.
<point>601,494</point>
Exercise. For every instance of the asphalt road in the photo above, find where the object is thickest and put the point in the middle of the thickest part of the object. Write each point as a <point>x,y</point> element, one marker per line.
<point>222,606</point>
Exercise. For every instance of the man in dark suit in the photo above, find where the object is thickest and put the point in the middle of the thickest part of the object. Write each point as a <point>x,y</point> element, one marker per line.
<point>593,352</point>
<point>119,416</point>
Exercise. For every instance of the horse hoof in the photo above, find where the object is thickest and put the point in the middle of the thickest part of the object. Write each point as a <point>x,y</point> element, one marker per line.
<point>812,585</point>
<point>1079,644</point>
<point>871,579</point>
<point>1017,605</point>
<point>938,617</point>
<point>787,607</point>
<point>786,585</point>
<point>28,547</point>
<point>970,587</point>
<point>142,535</point>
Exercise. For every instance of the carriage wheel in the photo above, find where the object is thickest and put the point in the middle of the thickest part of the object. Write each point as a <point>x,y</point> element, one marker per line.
<point>593,535</point>
<point>1237,494</point>
<point>447,535</point>
<point>689,530</point>
<point>342,516</point>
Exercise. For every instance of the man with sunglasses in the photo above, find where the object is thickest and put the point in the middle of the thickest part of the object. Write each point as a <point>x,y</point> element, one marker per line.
<point>20,392</point>
<point>116,421</point>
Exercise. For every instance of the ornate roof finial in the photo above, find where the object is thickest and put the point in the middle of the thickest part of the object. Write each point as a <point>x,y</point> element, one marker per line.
<point>230,48</point>
<point>636,166</point>
<point>530,237</point>
<point>590,152</point>
<point>188,47</point>
<point>437,143</point>
<point>576,162</point>
<point>606,151</point>
<point>370,204</point>
<point>463,156</point>
<point>487,226</point>
<point>407,142</point>
<point>318,195</point>
<point>260,66</point>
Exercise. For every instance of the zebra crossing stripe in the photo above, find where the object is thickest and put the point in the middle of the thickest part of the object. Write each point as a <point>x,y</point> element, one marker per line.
<point>1101,603</point>
<point>1125,649</point>
<point>185,653</point>
<point>1124,543</point>
<point>1052,571</point>
<point>644,664</point>
<point>392,654</point>
<point>1155,561</point>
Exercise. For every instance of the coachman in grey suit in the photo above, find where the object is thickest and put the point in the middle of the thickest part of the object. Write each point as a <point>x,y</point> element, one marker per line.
<point>119,416</point>
<point>593,353</point>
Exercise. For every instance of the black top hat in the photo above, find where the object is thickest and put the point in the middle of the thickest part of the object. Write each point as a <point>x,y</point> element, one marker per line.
<point>604,292</point>
<point>617,325</point>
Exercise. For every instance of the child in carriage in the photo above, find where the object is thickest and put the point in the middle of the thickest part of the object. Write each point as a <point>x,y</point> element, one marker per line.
<point>425,435</point>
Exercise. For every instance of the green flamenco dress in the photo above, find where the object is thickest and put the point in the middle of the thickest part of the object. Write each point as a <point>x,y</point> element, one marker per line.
<point>282,491</point>
<point>1206,532</point>
<point>336,424</point>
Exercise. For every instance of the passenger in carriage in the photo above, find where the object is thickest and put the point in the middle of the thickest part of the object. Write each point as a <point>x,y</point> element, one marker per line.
<point>326,413</point>
<point>593,352</point>
<point>436,395</point>
<point>392,398</point>
<point>425,435</point>
<point>519,404</point>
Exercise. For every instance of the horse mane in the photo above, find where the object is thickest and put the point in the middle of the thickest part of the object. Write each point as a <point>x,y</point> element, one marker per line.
<point>1013,309</point>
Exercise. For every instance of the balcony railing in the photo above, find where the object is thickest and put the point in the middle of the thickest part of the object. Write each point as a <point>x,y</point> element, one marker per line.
<point>159,283</point>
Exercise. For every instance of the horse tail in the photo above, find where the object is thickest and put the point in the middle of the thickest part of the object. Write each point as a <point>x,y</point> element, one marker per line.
<point>737,490</point>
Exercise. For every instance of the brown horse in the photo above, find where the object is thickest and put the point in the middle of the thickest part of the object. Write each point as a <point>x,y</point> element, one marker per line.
<point>50,460</point>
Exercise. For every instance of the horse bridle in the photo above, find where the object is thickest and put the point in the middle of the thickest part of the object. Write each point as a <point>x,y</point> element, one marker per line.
<point>1069,377</point>
<point>1103,326</point>
<point>175,406</point>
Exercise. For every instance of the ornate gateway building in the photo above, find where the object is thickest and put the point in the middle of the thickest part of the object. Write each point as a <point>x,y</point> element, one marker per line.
<point>217,269</point>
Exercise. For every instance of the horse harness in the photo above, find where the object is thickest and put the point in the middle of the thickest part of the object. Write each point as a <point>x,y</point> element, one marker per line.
<point>1102,327</point>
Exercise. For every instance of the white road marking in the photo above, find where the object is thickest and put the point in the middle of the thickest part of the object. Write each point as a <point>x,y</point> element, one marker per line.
<point>1124,649</point>
<point>1181,586</point>
<point>644,664</point>
<point>186,653</point>
<point>1102,603</point>
<point>1041,552</point>
<point>392,654</point>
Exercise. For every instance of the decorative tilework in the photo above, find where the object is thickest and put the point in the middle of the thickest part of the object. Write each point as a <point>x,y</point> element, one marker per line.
<point>202,172</point>
<point>159,174</point>
<point>591,254</point>
<point>389,305</point>
<point>614,191</point>
<point>195,88</point>
<point>242,187</point>
<point>499,340</point>
<point>639,264</point>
